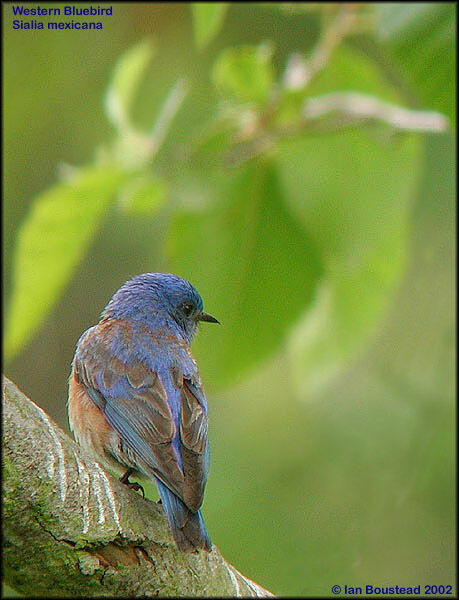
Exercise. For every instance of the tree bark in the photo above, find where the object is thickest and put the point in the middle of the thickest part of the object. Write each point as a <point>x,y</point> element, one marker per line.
<point>72,529</point>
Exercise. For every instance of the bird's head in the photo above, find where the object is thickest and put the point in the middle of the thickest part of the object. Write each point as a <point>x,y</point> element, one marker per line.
<point>159,298</point>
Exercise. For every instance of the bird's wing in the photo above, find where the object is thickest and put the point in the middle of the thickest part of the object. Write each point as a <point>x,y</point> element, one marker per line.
<point>133,399</point>
<point>193,437</point>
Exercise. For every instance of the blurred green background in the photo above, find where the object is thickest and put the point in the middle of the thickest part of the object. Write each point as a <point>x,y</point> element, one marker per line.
<point>182,138</point>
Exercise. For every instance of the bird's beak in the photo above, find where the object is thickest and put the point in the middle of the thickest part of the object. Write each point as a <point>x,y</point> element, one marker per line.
<point>209,318</point>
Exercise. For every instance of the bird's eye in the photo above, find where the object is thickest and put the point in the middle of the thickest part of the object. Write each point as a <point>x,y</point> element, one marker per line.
<point>187,309</point>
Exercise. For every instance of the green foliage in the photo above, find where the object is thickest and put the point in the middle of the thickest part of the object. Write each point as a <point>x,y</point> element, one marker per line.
<point>125,81</point>
<point>208,19</point>
<point>143,195</point>
<point>245,73</point>
<point>358,218</point>
<point>351,70</point>
<point>55,236</point>
<point>342,214</point>
<point>421,38</point>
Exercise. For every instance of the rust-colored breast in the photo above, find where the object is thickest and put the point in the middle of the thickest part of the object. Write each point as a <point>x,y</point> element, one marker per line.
<point>86,421</point>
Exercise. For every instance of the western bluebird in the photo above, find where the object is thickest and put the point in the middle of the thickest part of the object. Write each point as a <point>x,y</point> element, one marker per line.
<point>136,401</point>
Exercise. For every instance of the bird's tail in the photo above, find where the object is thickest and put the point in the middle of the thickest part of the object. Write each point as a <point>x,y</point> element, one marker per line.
<point>188,527</point>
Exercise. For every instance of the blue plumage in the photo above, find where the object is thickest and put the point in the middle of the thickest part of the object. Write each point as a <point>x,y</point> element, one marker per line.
<point>136,398</point>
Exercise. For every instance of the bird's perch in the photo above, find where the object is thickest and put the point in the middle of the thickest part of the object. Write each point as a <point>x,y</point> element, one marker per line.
<point>71,529</point>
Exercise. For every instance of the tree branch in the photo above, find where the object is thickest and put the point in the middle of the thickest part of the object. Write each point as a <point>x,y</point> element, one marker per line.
<point>331,36</point>
<point>71,529</point>
<point>355,107</point>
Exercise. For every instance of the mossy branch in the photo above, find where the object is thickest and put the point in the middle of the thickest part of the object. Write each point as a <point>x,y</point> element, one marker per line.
<point>71,529</point>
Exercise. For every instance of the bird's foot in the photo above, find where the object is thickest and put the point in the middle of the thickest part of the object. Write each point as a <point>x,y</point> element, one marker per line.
<point>132,485</point>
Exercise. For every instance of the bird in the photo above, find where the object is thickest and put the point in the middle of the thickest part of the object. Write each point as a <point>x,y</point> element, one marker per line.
<point>136,399</point>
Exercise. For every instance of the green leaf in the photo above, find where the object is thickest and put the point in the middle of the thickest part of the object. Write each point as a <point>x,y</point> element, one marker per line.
<point>353,196</point>
<point>143,195</point>
<point>50,243</point>
<point>245,73</point>
<point>125,82</point>
<point>421,39</point>
<point>349,306</point>
<point>352,191</point>
<point>422,322</point>
<point>353,71</point>
<point>208,19</point>
<point>348,189</point>
<point>255,268</point>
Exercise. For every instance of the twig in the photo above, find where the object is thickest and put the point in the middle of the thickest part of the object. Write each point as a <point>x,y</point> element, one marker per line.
<point>330,38</point>
<point>168,111</point>
<point>337,111</point>
<point>351,106</point>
